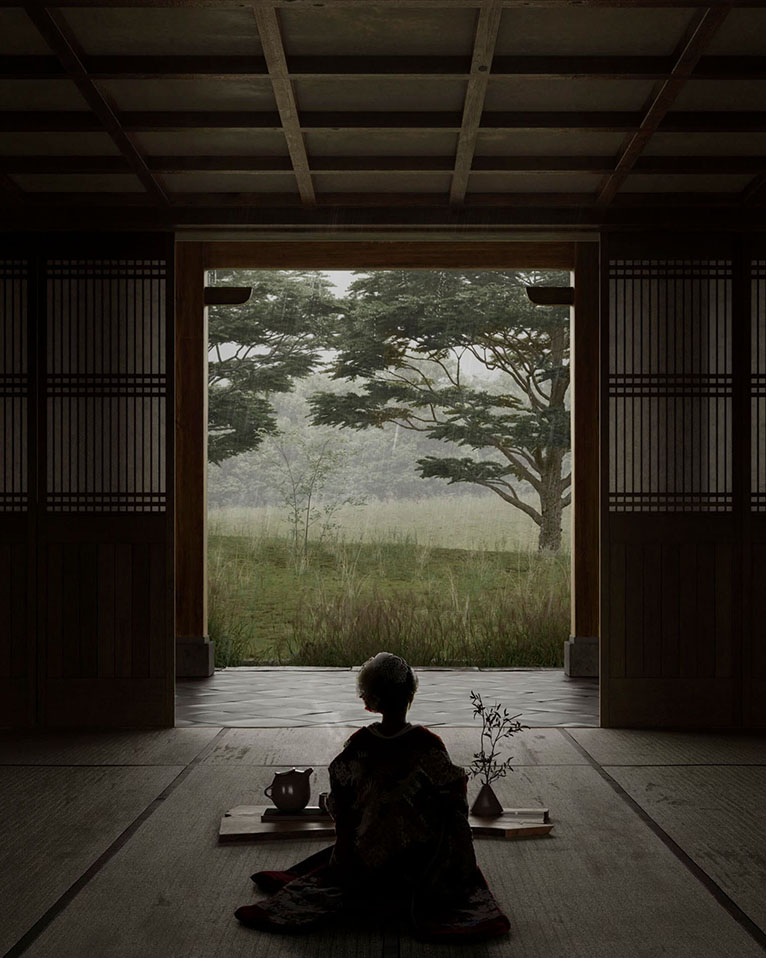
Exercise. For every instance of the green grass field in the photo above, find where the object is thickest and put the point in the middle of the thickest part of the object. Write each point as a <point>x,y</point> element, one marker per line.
<point>441,581</point>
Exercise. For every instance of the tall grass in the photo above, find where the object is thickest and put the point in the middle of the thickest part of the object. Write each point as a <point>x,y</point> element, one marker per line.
<point>523,624</point>
<point>229,620</point>
<point>405,592</point>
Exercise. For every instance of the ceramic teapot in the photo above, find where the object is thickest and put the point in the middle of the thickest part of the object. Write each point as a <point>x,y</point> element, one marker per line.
<point>290,790</point>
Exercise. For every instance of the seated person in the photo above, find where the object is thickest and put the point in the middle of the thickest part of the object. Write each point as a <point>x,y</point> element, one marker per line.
<point>403,843</point>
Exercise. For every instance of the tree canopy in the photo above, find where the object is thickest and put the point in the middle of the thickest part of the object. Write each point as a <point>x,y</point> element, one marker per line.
<point>410,338</point>
<point>261,348</point>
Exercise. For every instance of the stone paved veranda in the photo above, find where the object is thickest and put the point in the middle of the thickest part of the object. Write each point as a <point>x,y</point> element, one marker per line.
<point>290,697</point>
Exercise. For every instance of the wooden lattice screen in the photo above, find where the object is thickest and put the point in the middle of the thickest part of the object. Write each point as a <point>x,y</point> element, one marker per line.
<point>754,645</point>
<point>100,507</point>
<point>17,647</point>
<point>670,386</point>
<point>681,482</point>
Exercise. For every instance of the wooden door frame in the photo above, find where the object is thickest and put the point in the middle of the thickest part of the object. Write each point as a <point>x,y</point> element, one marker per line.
<point>194,258</point>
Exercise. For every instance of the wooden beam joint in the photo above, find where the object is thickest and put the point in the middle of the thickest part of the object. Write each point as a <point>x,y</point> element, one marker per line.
<point>227,295</point>
<point>551,295</point>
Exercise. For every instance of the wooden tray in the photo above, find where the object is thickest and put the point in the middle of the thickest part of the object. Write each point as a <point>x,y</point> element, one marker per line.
<point>244,823</point>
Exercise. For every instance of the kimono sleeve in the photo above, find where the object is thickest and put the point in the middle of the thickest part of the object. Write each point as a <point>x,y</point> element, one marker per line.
<point>451,780</point>
<point>342,805</point>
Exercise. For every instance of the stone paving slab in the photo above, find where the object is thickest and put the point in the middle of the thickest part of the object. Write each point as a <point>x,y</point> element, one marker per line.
<point>273,697</point>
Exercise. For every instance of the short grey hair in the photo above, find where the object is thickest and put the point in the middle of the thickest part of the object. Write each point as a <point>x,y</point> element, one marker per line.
<point>386,681</point>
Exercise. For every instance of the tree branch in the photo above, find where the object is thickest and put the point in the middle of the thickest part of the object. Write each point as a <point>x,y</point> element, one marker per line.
<point>512,499</point>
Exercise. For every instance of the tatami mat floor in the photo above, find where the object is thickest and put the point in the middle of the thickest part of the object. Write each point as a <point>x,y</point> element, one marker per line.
<point>110,845</point>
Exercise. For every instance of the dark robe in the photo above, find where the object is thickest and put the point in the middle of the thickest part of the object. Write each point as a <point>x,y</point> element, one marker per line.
<point>403,846</point>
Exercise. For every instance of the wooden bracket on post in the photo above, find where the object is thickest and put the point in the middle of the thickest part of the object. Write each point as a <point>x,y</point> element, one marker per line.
<point>227,295</point>
<point>551,295</point>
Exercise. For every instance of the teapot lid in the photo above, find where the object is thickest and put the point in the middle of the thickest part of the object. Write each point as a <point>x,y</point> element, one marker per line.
<point>294,771</point>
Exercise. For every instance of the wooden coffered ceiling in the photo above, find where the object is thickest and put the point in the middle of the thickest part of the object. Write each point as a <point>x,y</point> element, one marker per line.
<point>384,114</point>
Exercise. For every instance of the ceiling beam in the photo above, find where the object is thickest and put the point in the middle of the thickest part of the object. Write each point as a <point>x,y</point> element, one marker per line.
<point>10,191</point>
<point>191,67</point>
<point>651,165</point>
<point>56,34</point>
<point>692,121</point>
<point>349,219</point>
<point>703,28</point>
<point>487,25</point>
<point>200,200</point>
<point>284,94</point>
<point>421,4</point>
<point>755,191</point>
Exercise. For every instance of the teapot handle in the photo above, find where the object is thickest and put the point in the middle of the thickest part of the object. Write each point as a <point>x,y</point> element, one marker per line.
<point>267,791</point>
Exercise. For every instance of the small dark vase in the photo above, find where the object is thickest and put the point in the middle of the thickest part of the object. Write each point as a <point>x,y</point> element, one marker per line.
<point>486,804</point>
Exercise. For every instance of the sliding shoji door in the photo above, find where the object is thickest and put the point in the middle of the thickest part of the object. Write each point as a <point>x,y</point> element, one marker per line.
<point>105,530</point>
<point>754,651</point>
<point>675,467</point>
<point>17,492</point>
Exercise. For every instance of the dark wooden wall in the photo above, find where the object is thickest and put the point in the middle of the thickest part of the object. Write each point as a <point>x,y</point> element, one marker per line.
<point>683,549</point>
<point>86,537</point>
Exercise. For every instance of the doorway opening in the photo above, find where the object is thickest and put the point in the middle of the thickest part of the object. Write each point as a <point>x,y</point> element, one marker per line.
<point>389,467</point>
<point>378,497</point>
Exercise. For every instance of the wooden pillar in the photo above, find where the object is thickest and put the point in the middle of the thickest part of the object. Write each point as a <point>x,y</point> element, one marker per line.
<point>581,653</point>
<point>194,650</point>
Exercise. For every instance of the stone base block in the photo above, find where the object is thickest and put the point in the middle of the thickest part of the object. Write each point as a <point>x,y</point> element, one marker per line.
<point>195,657</point>
<point>581,656</point>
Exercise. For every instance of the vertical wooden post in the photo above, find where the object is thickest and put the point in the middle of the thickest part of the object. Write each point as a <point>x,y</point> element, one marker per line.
<point>194,650</point>
<point>581,651</point>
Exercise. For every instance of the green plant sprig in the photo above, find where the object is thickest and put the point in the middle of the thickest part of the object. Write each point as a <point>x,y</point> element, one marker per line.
<point>496,724</point>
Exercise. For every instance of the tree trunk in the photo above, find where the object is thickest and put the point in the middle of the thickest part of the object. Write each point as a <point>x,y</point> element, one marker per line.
<point>550,504</point>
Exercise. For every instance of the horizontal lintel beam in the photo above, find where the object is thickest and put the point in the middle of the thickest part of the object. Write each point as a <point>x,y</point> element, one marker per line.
<point>380,219</point>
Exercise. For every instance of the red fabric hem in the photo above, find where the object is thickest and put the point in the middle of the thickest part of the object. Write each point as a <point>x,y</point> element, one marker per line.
<point>272,881</point>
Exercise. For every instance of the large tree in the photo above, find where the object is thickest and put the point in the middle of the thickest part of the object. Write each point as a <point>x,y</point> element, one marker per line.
<point>407,338</point>
<point>261,348</point>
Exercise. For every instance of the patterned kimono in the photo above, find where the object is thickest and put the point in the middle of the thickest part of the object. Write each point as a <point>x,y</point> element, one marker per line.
<point>403,846</point>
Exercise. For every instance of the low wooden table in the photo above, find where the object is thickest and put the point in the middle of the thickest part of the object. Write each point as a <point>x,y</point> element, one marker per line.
<point>245,823</point>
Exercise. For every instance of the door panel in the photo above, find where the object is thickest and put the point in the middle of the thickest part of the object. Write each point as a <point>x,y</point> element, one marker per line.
<point>672,529</point>
<point>754,652</point>
<point>105,544</point>
<point>17,496</point>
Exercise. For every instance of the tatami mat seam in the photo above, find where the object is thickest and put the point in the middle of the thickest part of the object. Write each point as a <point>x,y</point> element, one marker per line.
<point>755,931</point>
<point>30,936</point>
<point>89,764</point>
<point>684,765</point>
